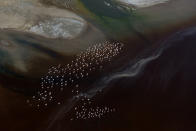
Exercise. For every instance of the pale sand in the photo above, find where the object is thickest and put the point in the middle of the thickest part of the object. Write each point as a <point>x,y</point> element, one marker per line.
<point>143,3</point>
<point>21,19</point>
<point>22,15</point>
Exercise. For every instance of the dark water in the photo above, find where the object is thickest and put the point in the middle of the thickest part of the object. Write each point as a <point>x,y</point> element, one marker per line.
<point>156,91</point>
<point>151,86</point>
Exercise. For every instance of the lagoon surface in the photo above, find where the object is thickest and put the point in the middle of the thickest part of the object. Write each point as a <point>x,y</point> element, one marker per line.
<point>110,65</point>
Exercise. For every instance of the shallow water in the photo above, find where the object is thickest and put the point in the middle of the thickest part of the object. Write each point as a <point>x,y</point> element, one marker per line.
<point>148,84</point>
